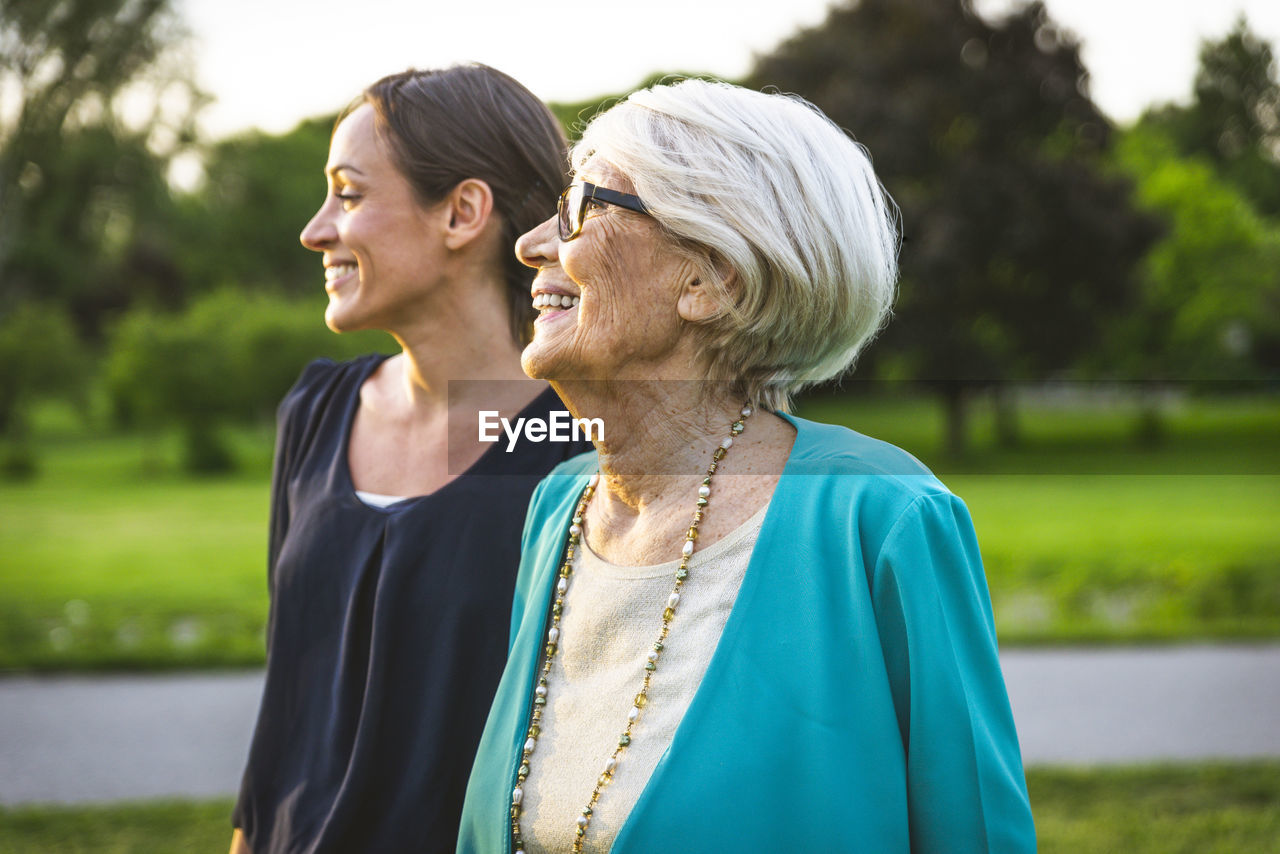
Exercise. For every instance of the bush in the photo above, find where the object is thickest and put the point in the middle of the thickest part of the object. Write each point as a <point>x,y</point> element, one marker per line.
<point>40,357</point>
<point>230,356</point>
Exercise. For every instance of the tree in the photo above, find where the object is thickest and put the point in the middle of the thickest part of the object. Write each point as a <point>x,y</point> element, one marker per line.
<point>228,357</point>
<point>1016,245</point>
<point>241,226</point>
<point>82,190</point>
<point>1210,299</point>
<point>1234,117</point>
<point>40,357</point>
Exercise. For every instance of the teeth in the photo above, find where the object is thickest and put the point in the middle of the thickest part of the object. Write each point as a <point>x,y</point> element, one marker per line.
<point>338,271</point>
<point>544,301</point>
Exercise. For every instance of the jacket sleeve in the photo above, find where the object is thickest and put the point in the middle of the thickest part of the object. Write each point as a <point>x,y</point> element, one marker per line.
<point>966,790</point>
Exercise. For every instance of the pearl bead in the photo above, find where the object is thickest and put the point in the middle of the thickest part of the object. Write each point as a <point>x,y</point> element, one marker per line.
<point>517,796</point>
<point>595,478</point>
<point>562,586</point>
<point>576,530</point>
<point>611,765</point>
<point>553,635</point>
<point>530,745</point>
<point>541,690</point>
<point>653,655</point>
<point>688,548</point>
<point>674,600</point>
<point>704,491</point>
<point>582,821</point>
<point>746,411</point>
<point>633,714</point>
<point>727,443</point>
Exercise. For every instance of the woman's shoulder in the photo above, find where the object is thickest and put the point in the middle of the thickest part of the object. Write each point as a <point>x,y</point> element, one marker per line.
<point>321,381</point>
<point>323,372</point>
<point>850,478</point>
<point>868,486</point>
<point>833,449</point>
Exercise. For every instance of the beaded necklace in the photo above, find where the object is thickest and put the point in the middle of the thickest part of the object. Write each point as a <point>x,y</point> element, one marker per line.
<point>651,665</point>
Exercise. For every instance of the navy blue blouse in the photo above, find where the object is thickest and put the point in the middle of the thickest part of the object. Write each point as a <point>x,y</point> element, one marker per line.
<point>386,637</point>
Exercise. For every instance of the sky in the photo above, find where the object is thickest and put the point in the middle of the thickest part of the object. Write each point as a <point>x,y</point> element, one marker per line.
<point>268,65</point>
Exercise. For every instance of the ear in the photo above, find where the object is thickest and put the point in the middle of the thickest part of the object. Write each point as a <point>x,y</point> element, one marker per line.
<point>701,300</point>
<point>469,207</point>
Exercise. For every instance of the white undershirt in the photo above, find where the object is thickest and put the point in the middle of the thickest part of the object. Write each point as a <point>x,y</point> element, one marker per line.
<point>377,499</point>
<point>612,615</point>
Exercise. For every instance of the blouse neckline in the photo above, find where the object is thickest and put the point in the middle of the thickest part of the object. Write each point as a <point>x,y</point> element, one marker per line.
<point>346,482</point>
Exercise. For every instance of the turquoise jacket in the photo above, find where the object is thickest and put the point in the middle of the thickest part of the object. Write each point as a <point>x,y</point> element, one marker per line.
<point>854,702</point>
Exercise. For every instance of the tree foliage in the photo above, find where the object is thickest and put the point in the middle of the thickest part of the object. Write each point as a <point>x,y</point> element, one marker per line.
<point>39,356</point>
<point>83,199</point>
<point>241,227</point>
<point>1017,246</point>
<point>230,356</point>
<point>1210,302</point>
<point>1234,116</point>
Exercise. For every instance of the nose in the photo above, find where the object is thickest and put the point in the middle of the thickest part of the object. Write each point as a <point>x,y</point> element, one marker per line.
<point>320,233</point>
<point>540,245</point>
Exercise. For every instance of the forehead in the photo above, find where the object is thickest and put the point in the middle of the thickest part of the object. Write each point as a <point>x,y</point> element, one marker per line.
<point>596,170</point>
<point>355,142</point>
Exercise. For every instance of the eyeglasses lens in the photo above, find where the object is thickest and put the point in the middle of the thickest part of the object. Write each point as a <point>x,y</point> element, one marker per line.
<point>571,211</point>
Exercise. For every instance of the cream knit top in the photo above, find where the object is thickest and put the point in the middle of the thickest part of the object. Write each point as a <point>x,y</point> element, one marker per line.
<point>612,615</point>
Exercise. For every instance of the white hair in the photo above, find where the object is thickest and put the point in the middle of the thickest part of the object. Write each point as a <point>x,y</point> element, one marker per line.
<point>767,186</point>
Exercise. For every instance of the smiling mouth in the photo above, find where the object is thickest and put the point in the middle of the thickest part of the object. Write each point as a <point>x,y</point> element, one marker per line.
<point>554,302</point>
<point>337,272</point>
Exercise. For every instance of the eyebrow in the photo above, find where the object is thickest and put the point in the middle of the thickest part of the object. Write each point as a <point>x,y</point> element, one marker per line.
<point>332,171</point>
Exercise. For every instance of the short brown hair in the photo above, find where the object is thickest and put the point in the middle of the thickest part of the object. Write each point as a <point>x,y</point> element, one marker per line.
<point>472,121</point>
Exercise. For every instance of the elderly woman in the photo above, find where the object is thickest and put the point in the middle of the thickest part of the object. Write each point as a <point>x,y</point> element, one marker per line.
<point>744,631</point>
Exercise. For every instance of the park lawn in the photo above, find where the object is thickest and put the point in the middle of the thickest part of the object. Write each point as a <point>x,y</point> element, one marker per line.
<point>1128,557</point>
<point>159,827</point>
<point>113,559</point>
<point>1217,808</point>
<point>1088,536</point>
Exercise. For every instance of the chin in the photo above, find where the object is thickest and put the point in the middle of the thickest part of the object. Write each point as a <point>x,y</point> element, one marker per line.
<point>542,360</point>
<point>532,363</point>
<point>346,315</point>
<point>333,320</point>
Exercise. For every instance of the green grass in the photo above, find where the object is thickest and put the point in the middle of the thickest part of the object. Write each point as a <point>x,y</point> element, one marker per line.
<point>162,827</point>
<point>1176,809</point>
<point>113,559</point>
<point>1138,557</point>
<point>1219,808</point>
<point>1088,537</point>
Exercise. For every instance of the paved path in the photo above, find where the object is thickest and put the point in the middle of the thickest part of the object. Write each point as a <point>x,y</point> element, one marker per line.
<point>76,739</point>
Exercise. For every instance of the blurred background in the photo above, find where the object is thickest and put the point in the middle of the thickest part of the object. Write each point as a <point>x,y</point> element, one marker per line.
<point>1086,344</point>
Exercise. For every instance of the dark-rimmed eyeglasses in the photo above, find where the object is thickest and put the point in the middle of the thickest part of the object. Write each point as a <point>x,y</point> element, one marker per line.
<point>580,194</point>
